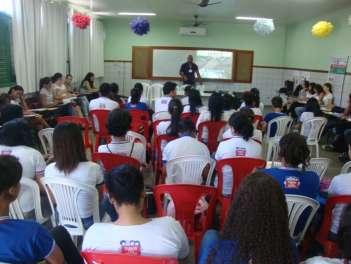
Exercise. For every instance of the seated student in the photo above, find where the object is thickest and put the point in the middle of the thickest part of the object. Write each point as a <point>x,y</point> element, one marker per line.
<point>293,153</point>
<point>185,99</point>
<point>326,97</point>
<point>132,233</point>
<point>103,102</point>
<point>257,134</point>
<point>21,241</point>
<point>194,105</point>
<point>10,112</point>
<point>68,82</point>
<point>118,124</point>
<point>46,94</point>
<point>251,101</point>
<point>241,145</point>
<point>175,109</point>
<point>277,104</point>
<point>17,97</point>
<point>340,185</point>
<point>215,110</point>
<point>311,92</point>
<point>59,89</point>
<point>249,235</point>
<point>115,94</point>
<point>71,163</point>
<point>312,109</point>
<point>169,92</point>
<point>176,148</point>
<point>256,101</point>
<point>343,241</point>
<point>228,106</point>
<point>16,140</point>
<point>140,87</point>
<point>87,83</point>
<point>135,103</point>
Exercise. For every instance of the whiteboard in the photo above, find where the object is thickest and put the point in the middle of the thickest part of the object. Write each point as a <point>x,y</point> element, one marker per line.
<point>213,64</point>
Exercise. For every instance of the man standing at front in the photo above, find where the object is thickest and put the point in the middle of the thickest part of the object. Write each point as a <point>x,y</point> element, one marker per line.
<point>188,70</point>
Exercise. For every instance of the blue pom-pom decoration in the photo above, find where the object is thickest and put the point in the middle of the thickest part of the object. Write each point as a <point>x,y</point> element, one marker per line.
<point>140,26</point>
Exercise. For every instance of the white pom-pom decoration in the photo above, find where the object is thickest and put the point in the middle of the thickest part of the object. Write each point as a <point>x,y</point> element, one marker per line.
<point>264,27</point>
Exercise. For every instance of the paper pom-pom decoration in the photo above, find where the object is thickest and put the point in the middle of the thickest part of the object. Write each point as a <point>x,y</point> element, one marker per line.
<point>140,26</point>
<point>264,27</point>
<point>80,20</point>
<point>322,29</point>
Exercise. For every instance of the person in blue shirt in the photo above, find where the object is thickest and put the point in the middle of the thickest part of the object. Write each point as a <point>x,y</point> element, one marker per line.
<point>21,241</point>
<point>256,229</point>
<point>135,104</point>
<point>277,103</point>
<point>293,177</point>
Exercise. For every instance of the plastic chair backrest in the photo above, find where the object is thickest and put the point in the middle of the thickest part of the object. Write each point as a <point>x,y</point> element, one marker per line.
<point>154,91</point>
<point>281,124</point>
<point>346,168</point>
<point>192,116</point>
<point>187,170</point>
<point>316,126</point>
<point>141,127</point>
<point>319,166</point>
<point>45,136</point>
<point>322,235</point>
<point>111,160</point>
<point>15,210</point>
<point>297,205</point>
<point>64,193</point>
<point>135,137</point>
<point>82,121</point>
<point>99,120</point>
<point>161,116</point>
<point>240,167</point>
<point>160,143</point>
<point>214,129</point>
<point>93,257</point>
<point>185,198</point>
<point>139,115</point>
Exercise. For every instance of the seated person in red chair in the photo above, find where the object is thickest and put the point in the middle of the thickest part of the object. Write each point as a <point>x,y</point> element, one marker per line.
<point>103,102</point>
<point>118,124</point>
<point>132,233</point>
<point>135,101</point>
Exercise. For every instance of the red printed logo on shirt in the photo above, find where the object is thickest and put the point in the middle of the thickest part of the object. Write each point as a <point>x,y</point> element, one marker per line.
<point>292,183</point>
<point>131,247</point>
<point>240,152</point>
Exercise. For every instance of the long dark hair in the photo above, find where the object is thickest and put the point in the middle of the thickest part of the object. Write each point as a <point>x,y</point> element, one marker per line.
<point>175,108</point>
<point>215,106</point>
<point>88,78</point>
<point>44,81</point>
<point>313,106</point>
<point>194,100</point>
<point>135,95</point>
<point>56,77</point>
<point>256,95</point>
<point>258,223</point>
<point>68,147</point>
<point>294,150</point>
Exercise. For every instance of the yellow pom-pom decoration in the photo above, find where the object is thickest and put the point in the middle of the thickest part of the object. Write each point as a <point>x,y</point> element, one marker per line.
<point>322,29</point>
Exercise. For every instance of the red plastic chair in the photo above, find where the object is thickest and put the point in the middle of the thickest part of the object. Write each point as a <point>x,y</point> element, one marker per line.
<point>84,123</point>
<point>140,115</point>
<point>241,167</point>
<point>214,128</point>
<point>110,160</point>
<point>92,257</point>
<point>185,198</point>
<point>330,249</point>
<point>141,123</point>
<point>192,116</point>
<point>99,121</point>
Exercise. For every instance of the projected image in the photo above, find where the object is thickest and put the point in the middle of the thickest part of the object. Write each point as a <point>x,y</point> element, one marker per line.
<point>214,64</point>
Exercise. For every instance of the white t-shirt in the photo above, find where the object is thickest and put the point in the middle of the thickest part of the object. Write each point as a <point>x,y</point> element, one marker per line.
<point>257,134</point>
<point>87,172</point>
<point>161,104</point>
<point>204,116</point>
<point>236,147</point>
<point>103,103</point>
<point>162,236</point>
<point>48,94</point>
<point>162,127</point>
<point>305,116</point>
<point>327,99</point>
<point>33,164</point>
<point>309,95</point>
<point>185,100</point>
<point>59,90</point>
<point>135,150</point>
<point>323,260</point>
<point>142,100</point>
<point>340,185</point>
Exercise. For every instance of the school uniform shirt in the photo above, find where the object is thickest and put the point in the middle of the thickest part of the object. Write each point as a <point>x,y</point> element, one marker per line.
<point>186,109</point>
<point>232,148</point>
<point>327,99</point>
<point>323,260</point>
<point>185,100</point>
<point>257,134</point>
<point>162,127</point>
<point>161,236</point>
<point>59,90</point>
<point>135,150</point>
<point>142,100</point>
<point>269,117</point>
<point>103,103</point>
<point>261,106</point>
<point>340,185</point>
<point>23,241</point>
<point>139,106</point>
<point>33,164</point>
<point>49,94</point>
<point>305,116</point>
<point>296,181</point>
<point>161,104</point>
<point>87,172</point>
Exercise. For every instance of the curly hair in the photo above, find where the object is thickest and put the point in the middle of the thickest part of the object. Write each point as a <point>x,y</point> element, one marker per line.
<point>215,106</point>
<point>258,222</point>
<point>294,150</point>
<point>242,125</point>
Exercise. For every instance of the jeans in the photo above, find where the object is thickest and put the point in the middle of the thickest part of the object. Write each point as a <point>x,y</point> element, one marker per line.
<point>209,240</point>
<point>299,111</point>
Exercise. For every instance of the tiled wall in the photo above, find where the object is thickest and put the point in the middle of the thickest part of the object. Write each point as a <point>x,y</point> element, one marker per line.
<point>267,80</point>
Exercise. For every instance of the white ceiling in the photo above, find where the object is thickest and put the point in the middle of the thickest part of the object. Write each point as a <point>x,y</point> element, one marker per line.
<point>283,11</point>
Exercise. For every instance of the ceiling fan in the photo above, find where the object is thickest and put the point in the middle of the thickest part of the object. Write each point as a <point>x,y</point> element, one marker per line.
<point>206,3</point>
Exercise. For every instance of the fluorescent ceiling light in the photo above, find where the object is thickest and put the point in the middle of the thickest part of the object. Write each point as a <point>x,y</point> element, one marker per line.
<point>250,18</point>
<point>104,13</point>
<point>136,14</point>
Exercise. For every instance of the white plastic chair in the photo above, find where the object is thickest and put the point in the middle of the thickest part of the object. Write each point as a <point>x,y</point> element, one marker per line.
<point>319,166</point>
<point>187,169</point>
<point>346,168</point>
<point>15,210</point>
<point>45,136</point>
<point>154,91</point>
<point>133,136</point>
<point>313,130</point>
<point>64,194</point>
<point>273,151</point>
<point>297,204</point>
<point>161,116</point>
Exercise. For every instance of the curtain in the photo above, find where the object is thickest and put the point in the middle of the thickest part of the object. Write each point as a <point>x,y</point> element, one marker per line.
<point>97,48</point>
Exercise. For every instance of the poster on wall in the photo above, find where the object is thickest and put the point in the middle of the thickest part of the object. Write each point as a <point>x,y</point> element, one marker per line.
<point>336,76</point>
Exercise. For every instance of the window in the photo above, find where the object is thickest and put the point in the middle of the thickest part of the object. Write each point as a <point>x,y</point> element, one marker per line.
<point>7,76</point>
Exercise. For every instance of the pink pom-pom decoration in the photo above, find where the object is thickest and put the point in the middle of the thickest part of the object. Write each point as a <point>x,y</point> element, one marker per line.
<point>80,20</point>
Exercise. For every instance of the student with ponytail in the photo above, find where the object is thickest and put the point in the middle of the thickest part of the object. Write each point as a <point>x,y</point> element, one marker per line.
<point>175,108</point>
